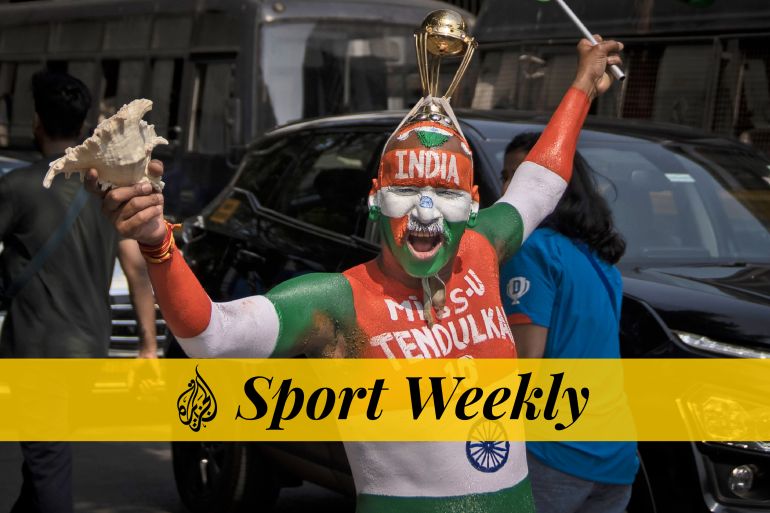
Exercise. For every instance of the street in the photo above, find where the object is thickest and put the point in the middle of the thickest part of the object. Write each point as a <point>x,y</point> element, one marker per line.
<point>137,478</point>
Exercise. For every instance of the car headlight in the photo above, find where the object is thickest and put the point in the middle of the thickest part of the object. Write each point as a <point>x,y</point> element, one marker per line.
<point>720,348</point>
<point>747,446</point>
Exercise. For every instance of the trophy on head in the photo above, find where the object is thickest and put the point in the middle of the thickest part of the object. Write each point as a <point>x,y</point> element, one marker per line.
<point>424,190</point>
<point>441,35</point>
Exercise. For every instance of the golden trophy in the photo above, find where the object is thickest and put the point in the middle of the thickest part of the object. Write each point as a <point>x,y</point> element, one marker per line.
<point>442,35</point>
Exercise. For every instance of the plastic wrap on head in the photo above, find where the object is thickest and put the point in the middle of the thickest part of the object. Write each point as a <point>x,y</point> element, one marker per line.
<point>427,149</point>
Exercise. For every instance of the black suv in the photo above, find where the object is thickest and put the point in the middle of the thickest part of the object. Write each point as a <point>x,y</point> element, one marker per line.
<point>695,211</point>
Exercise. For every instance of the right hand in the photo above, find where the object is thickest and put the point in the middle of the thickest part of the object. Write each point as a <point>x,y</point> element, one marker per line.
<point>136,210</point>
<point>593,62</point>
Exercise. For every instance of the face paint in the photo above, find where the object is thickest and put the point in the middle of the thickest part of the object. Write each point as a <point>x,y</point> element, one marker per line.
<point>423,227</point>
<point>424,264</point>
<point>425,193</point>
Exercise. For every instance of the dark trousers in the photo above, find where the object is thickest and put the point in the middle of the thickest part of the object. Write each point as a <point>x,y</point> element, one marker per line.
<point>47,472</point>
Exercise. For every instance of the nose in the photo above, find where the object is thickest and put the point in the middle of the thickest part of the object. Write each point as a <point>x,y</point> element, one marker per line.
<point>425,211</point>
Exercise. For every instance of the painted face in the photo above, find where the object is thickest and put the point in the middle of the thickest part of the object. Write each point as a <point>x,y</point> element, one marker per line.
<point>425,194</point>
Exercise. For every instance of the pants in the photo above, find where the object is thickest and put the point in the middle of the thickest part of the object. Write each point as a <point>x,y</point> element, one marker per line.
<point>557,492</point>
<point>47,472</point>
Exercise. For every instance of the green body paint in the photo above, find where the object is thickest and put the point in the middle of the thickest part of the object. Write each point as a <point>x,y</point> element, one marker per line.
<point>503,227</point>
<point>517,499</point>
<point>431,139</point>
<point>301,300</point>
<point>417,268</point>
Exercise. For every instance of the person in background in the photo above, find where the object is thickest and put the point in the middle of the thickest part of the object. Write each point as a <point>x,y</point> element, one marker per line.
<point>562,295</point>
<point>62,310</point>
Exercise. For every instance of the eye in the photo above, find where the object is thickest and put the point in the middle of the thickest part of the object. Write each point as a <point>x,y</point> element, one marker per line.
<point>448,193</point>
<point>404,191</point>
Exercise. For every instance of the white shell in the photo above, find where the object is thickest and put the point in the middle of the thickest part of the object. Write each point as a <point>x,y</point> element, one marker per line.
<point>119,150</point>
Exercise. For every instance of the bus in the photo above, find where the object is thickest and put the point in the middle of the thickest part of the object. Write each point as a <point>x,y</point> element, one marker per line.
<point>700,63</point>
<point>220,72</point>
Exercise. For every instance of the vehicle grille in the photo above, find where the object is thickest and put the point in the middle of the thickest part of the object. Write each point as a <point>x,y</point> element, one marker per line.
<point>124,338</point>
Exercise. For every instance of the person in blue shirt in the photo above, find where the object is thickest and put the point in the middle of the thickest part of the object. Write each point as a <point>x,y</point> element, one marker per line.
<point>562,295</point>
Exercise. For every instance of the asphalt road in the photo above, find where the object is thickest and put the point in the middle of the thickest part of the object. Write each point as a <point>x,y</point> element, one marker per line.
<point>137,478</point>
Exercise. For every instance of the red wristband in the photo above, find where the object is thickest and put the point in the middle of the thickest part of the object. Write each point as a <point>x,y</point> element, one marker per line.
<point>163,251</point>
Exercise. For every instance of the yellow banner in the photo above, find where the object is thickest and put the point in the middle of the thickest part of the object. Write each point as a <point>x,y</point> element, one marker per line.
<point>384,400</point>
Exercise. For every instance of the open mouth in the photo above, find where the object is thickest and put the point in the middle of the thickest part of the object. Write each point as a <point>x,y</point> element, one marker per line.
<point>424,244</point>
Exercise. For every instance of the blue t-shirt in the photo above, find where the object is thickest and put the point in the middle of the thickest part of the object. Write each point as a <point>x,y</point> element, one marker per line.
<point>552,282</point>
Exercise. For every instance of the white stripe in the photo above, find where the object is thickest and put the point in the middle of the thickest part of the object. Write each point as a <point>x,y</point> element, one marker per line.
<point>428,469</point>
<point>396,205</point>
<point>534,191</point>
<point>244,328</point>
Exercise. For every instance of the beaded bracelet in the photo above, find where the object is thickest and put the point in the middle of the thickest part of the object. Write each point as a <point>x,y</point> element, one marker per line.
<point>163,251</point>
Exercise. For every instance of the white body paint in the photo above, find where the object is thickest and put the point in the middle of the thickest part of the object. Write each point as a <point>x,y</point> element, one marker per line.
<point>428,469</point>
<point>534,191</point>
<point>244,328</point>
<point>452,205</point>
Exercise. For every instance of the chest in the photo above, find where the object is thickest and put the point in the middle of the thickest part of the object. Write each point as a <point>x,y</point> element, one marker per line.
<point>471,324</point>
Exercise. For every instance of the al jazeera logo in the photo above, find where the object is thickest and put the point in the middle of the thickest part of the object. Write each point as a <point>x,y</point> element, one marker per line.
<point>197,404</point>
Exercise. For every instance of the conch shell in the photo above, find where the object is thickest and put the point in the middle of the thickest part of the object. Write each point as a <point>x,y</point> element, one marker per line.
<point>119,149</point>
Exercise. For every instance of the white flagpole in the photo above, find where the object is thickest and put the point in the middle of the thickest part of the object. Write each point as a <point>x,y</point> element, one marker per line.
<point>615,70</point>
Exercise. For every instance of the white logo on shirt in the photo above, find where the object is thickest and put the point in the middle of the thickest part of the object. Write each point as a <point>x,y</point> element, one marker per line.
<point>517,287</point>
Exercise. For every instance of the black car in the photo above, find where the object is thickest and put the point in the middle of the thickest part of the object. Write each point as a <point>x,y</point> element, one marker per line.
<point>695,211</point>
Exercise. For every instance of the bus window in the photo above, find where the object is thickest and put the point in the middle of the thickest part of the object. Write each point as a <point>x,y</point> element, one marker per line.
<point>211,91</point>
<point>23,108</point>
<point>323,68</point>
<point>23,39</point>
<point>166,79</point>
<point>524,78</point>
<point>171,32</point>
<point>122,83</point>
<point>77,36</point>
<point>130,33</point>
<point>7,70</point>
<point>215,30</point>
<point>680,93</point>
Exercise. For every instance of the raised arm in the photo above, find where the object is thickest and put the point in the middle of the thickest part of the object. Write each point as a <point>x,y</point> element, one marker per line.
<point>540,181</point>
<point>301,315</point>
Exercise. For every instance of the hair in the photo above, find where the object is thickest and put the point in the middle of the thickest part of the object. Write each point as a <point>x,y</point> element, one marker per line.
<point>61,103</point>
<point>524,141</point>
<point>582,214</point>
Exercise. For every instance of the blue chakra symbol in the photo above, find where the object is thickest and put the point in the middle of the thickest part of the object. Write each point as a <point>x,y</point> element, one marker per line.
<point>483,455</point>
<point>426,202</point>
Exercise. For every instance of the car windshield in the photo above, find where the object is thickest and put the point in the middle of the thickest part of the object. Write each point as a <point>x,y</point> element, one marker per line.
<point>8,164</point>
<point>685,203</point>
<point>682,203</point>
<point>320,68</point>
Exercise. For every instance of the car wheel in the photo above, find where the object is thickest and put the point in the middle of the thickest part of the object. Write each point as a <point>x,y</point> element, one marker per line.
<point>223,477</point>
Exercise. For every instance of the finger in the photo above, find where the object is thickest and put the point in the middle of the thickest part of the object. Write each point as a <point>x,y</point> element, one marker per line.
<point>584,45</point>
<point>614,60</point>
<point>91,179</point>
<point>598,38</point>
<point>119,195</point>
<point>133,226</point>
<point>137,204</point>
<point>611,46</point>
<point>155,168</point>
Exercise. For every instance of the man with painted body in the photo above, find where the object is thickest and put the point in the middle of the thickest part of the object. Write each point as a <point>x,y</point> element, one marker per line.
<point>431,293</point>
